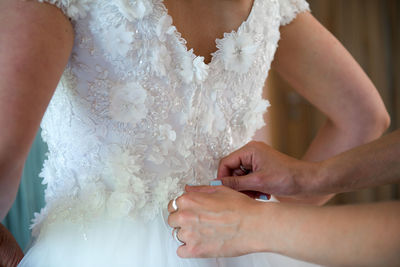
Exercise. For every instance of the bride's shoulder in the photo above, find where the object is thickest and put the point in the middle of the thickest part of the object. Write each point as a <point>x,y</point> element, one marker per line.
<point>289,9</point>
<point>73,9</point>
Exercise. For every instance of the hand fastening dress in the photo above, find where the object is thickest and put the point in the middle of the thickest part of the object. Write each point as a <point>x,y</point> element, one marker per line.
<point>135,117</point>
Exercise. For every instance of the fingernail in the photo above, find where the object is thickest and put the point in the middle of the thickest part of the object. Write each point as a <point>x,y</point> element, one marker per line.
<point>215,183</point>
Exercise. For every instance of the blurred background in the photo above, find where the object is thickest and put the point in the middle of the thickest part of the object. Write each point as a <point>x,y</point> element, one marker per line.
<point>369,29</point>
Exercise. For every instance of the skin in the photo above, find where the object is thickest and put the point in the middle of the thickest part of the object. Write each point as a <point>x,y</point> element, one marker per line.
<point>353,235</point>
<point>34,51</point>
<point>221,222</point>
<point>335,83</point>
<point>334,87</point>
<point>376,163</point>
<point>10,252</point>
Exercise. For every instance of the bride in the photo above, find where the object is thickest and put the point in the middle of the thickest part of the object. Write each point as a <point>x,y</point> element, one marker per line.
<point>150,95</point>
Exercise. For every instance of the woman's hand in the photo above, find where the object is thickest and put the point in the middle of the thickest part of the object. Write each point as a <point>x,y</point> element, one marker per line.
<point>270,172</point>
<point>10,252</point>
<point>215,221</point>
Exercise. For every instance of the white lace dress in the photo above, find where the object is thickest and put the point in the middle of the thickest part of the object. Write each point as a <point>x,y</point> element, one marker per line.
<point>135,117</point>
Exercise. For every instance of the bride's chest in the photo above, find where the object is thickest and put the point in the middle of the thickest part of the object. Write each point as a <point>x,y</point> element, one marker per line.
<point>133,69</point>
<point>202,22</point>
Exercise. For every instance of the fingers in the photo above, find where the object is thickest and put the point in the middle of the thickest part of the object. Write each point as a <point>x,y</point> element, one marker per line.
<point>187,252</point>
<point>250,182</point>
<point>241,157</point>
<point>201,189</point>
<point>174,220</point>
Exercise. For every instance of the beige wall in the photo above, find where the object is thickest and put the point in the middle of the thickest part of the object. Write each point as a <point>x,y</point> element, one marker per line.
<point>370,30</point>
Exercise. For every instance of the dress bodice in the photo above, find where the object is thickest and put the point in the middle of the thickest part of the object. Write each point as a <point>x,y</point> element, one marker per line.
<point>137,115</point>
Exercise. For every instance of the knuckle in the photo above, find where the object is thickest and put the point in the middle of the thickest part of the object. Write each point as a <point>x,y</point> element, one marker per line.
<point>184,217</point>
<point>182,200</point>
<point>170,206</point>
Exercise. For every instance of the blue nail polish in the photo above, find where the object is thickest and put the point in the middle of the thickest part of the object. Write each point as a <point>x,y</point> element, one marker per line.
<point>216,183</point>
<point>263,197</point>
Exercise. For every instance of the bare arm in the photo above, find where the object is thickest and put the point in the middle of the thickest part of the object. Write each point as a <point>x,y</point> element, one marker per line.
<point>322,71</point>
<point>220,222</point>
<point>35,42</point>
<point>354,235</point>
<point>372,164</point>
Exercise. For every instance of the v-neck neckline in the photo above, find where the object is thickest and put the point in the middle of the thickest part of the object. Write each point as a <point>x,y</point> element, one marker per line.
<point>183,41</point>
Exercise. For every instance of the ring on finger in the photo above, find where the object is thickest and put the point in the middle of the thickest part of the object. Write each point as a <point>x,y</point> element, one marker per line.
<point>175,235</point>
<point>243,169</point>
<point>174,205</point>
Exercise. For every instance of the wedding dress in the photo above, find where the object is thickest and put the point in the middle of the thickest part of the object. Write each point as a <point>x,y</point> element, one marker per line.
<point>135,117</point>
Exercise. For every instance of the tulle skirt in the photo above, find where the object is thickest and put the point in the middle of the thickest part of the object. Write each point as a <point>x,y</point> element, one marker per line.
<point>126,242</point>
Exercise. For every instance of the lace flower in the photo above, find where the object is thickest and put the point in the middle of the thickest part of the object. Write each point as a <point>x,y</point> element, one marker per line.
<point>121,159</point>
<point>238,51</point>
<point>166,136</point>
<point>93,195</point>
<point>166,190</point>
<point>160,58</point>
<point>134,9</point>
<point>289,9</point>
<point>164,26</point>
<point>120,204</point>
<point>253,119</point>
<point>119,41</point>
<point>166,133</point>
<point>128,103</point>
<point>212,120</point>
<point>193,68</point>
<point>38,219</point>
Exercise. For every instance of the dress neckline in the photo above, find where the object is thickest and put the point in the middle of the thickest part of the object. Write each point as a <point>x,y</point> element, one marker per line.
<point>183,41</point>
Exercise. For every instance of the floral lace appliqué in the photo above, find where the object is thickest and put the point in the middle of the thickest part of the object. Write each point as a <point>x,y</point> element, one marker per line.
<point>238,51</point>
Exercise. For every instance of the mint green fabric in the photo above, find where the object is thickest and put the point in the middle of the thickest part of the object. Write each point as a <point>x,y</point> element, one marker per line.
<point>30,196</point>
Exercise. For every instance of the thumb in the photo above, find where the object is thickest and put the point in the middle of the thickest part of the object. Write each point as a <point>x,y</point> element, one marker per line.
<point>250,182</point>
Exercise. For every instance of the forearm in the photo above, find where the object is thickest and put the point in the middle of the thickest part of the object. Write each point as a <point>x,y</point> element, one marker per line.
<point>330,141</point>
<point>373,164</point>
<point>367,235</point>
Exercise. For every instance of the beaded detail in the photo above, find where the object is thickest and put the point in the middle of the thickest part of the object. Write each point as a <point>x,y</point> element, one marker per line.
<point>137,115</point>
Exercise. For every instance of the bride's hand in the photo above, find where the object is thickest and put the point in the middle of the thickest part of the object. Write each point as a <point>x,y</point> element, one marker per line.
<point>215,221</point>
<point>258,167</point>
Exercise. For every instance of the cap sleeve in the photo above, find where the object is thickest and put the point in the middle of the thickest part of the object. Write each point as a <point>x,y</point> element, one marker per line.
<point>290,8</point>
<point>73,9</point>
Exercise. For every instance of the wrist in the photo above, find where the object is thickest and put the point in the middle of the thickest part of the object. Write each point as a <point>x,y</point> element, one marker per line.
<point>260,228</point>
<point>309,178</point>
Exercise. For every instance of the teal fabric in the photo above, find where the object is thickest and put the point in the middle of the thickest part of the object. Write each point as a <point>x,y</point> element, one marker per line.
<point>30,197</point>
